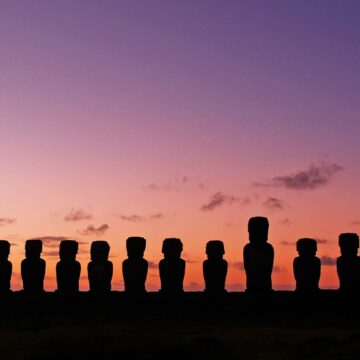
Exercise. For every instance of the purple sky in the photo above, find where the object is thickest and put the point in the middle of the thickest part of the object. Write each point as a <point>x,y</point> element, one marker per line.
<point>100,99</point>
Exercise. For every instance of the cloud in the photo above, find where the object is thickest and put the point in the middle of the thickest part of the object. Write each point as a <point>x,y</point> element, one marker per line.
<point>285,222</point>
<point>77,215</point>
<point>322,241</point>
<point>293,243</point>
<point>177,184</point>
<point>156,216</point>
<point>51,241</point>
<point>312,178</point>
<point>152,265</point>
<point>6,221</point>
<point>235,287</point>
<point>92,230</point>
<point>193,286</point>
<point>288,243</point>
<point>273,203</point>
<point>131,218</point>
<point>219,199</point>
<point>355,223</point>
<point>239,265</point>
<point>139,218</point>
<point>279,269</point>
<point>55,253</point>
<point>328,261</point>
<point>51,253</point>
<point>161,187</point>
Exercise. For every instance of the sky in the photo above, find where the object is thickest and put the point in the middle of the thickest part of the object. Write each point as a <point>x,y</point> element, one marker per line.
<point>179,119</point>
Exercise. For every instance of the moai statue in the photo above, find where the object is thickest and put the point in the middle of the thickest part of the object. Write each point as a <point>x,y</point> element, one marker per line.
<point>5,266</point>
<point>33,267</point>
<point>215,267</point>
<point>258,256</point>
<point>68,269</point>
<point>307,266</point>
<point>135,267</point>
<point>172,267</point>
<point>100,269</point>
<point>348,264</point>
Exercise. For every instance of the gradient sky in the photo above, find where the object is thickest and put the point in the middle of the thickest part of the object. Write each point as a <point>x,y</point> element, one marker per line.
<point>179,118</point>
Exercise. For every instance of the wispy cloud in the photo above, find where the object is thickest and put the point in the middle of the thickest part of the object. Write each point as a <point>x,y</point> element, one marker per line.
<point>285,221</point>
<point>156,216</point>
<point>55,253</point>
<point>139,218</point>
<point>131,218</point>
<point>322,241</point>
<point>152,265</point>
<point>273,203</point>
<point>77,215</point>
<point>189,259</point>
<point>288,243</point>
<point>312,178</point>
<point>6,221</point>
<point>238,265</point>
<point>279,269</point>
<point>235,287</point>
<point>194,286</point>
<point>219,199</point>
<point>177,184</point>
<point>355,223</point>
<point>293,243</point>
<point>92,230</point>
<point>161,187</point>
<point>328,261</point>
<point>51,241</point>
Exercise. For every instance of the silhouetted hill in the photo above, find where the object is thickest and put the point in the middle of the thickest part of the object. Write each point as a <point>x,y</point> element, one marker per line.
<point>281,325</point>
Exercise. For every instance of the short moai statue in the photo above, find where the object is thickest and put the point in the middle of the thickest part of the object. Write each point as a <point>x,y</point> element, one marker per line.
<point>33,267</point>
<point>100,269</point>
<point>172,267</point>
<point>68,269</point>
<point>215,267</point>
<point>307,266</point>
<point>135,267</point>
<point>258,256</point>
<point>348,264</point>
<point>5,266</point>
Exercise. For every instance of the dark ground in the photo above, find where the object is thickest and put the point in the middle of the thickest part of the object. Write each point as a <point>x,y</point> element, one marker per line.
<point>282,325</point>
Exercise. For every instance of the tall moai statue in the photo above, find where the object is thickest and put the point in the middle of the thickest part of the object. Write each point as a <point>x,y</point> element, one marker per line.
<point>172,267</point>
<point>5,266</point>
<point>307,266</point>
<point>348,264</point>
<point>258,256</point>
<point>215,267</point>
<point>100,269</point>
<point>68,269</point>
<point>33,267</point>
<point>135,267</point>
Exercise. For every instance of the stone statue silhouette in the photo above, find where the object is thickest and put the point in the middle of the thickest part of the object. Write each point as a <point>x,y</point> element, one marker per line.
<point>100,269</point>
<point>135,267</point>
<point>307,266</point>
<point>215,267</point>
<point>258,256</point>
<point>172,267</point>
<point>5,266</point>
<point>68,269</point>
<point>348,264</point>
<point>33,267</point>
